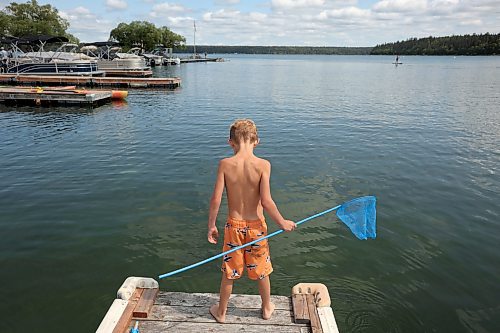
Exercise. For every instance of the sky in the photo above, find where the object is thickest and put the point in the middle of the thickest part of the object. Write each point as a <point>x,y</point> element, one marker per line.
<point>285,22</point>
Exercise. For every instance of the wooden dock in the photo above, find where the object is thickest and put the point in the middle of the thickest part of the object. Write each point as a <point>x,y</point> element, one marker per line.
<point>54,96</point>
<point>191,60</point>
<point>156,311</point>
<point>92,82</point>
<point>128,73</point>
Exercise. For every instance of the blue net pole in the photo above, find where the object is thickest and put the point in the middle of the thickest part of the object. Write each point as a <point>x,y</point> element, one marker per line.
<point>353,214</point>
<point>277,232</point>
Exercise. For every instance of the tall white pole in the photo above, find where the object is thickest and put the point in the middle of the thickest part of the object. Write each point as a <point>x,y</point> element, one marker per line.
<point>194,38</point>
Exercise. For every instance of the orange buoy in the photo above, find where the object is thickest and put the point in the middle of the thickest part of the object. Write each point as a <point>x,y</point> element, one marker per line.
<point>119,94</point>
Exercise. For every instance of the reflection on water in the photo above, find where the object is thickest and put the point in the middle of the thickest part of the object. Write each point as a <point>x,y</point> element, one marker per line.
<point>91,196</point>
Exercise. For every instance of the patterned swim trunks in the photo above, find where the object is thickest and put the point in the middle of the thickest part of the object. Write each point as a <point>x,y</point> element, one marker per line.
<point>255,258</point>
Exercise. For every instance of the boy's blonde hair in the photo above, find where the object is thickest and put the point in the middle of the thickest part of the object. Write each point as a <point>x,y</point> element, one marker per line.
<point>243,130</point>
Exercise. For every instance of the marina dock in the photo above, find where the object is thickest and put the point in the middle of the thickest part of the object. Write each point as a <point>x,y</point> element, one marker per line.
<point>88,81</point>
<point>140,302</point>
<point>55,96</point>
<point>128,73</point>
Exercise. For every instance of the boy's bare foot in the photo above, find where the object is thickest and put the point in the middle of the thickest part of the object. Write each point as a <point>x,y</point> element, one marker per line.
<point>267,312</point>
<point>214,311</point>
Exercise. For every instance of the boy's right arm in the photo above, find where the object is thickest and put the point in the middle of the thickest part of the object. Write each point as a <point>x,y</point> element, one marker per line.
<point>215,202</point>
<point>268,202</point>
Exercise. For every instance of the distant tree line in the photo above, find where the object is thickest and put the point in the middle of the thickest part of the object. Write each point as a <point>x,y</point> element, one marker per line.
<point>482,44</point>
<point>325,50</point>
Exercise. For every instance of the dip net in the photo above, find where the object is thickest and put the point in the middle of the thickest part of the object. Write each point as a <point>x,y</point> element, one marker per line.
<point>360,216</point>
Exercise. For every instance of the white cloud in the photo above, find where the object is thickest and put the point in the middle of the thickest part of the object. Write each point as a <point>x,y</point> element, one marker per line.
<point>257,17</point>
<point>288,4</point>
<point>227,2</point>
<point>181,23</point>
<point>77,14</point>
<point>87,26</point>
<point>345,13</point>
<point>400,6</point>
<point>221,14</point>
<point>116,4</point>
<point>166,9</point>
<point>472,22</point>
<point>169,7</point>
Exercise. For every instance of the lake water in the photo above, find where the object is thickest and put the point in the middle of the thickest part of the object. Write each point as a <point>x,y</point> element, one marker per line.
<point>89,197</point>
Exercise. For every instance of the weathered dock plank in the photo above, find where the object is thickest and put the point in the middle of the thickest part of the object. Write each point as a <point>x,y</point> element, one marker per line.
<point>129,73</point>
<point>210,327</point>
<point>205,300</point>
<point>234,315</point>
<point>145,303</point>
<point>313,314</point>
<point>300,309</point>
<point>113,316</point>
<point>40,96</point>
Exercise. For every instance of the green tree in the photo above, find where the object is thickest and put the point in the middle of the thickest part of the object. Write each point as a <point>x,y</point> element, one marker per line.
<point>145,35</point>
<point>482,44</point>
<point>30,18</point>
<point>170,38</point>
<point>4,23</point>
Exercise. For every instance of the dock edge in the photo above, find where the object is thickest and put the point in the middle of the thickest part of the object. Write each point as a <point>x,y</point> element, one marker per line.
<point>120,311</point>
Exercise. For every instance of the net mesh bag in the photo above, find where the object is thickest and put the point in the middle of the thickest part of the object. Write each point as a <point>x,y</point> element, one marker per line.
<point>360,216</point>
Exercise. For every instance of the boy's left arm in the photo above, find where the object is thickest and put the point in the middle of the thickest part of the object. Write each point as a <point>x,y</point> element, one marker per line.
<point>215,202</point>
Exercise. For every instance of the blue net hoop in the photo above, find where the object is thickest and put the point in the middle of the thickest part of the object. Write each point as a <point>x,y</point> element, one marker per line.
<point>360,215</point>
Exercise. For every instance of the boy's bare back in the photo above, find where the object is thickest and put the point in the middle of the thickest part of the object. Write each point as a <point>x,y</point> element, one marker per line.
<point>242,175</point>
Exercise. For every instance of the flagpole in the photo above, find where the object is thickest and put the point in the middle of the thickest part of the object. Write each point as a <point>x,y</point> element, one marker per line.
<point>194,38</point>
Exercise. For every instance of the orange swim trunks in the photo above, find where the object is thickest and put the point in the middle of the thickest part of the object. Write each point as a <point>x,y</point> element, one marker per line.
<point>255,258</point>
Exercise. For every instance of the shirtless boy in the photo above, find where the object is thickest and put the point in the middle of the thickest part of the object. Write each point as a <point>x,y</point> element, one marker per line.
<point>246,180</point>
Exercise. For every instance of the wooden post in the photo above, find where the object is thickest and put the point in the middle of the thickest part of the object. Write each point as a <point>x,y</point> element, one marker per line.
<point>300,310</point>
<point>145,303</point>
<point>313,314</point>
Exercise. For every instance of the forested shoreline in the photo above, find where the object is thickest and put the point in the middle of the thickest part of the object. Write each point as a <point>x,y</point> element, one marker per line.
<point>483,44</point>
<point>323,50</point>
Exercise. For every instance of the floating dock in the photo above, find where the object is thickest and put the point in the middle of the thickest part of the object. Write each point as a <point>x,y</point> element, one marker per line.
<point>140,302</point>
<point>92,82</point>
<point>191,60</point>
<point>128,73</point>
<point>53,96</point>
